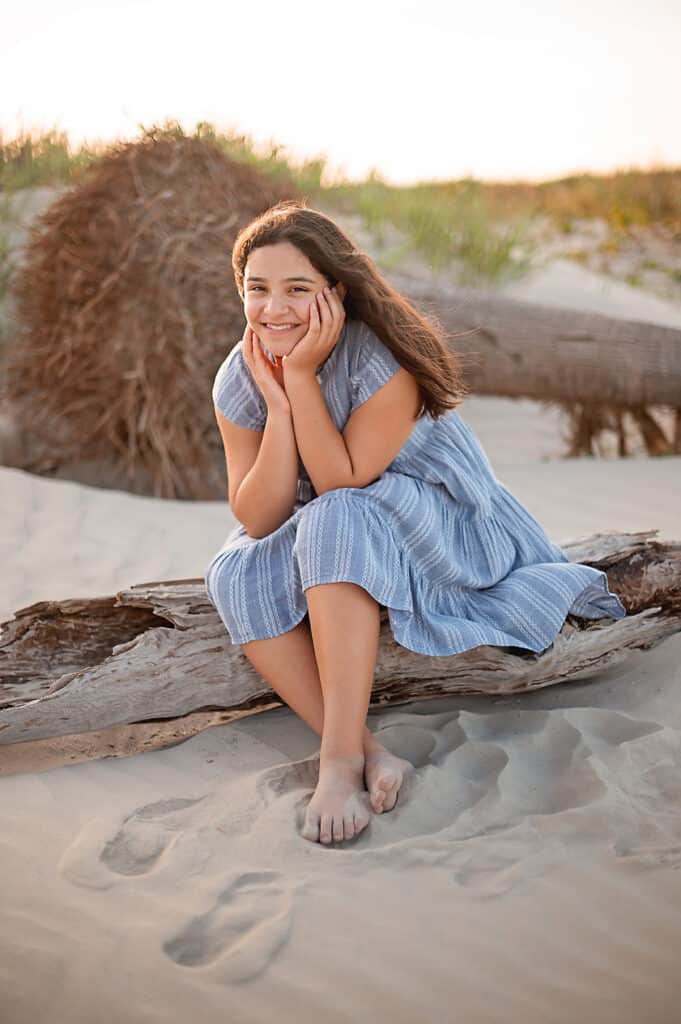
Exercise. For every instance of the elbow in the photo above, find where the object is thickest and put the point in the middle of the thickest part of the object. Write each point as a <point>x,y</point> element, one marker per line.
<point>258,530</point>
<point>336,485</point>
<point>346,483</point>
<point>243,520</point>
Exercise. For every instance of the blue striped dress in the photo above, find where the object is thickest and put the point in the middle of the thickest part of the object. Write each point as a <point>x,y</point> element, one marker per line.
<point>452,555</point>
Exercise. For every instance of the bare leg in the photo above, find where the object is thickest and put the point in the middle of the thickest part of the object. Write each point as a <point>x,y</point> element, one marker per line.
<point>344,620</point>
<point>288,663</point>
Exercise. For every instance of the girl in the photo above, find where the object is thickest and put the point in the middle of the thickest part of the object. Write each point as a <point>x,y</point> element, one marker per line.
<point>356,484</point>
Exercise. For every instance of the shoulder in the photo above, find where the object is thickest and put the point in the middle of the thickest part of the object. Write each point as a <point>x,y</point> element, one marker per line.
<point>370,358</point>
<point>373,365</point>
<point>369,348</point>
<point>232,372</point>
<point>233,360</point>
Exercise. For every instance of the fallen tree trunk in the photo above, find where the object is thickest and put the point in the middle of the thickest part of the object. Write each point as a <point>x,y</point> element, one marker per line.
<point>527,350</point>
<point>159,650</point>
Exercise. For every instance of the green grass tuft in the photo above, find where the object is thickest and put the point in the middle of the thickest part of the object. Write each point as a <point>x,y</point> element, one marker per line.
<point>481,226</point>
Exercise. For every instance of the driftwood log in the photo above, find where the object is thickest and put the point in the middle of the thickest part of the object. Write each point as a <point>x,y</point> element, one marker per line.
<point>527,350</point>
<point>159,651</point>
<point>595,367</point>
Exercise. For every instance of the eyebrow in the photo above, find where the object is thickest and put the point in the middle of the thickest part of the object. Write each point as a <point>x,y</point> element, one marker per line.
<point>284,279</point>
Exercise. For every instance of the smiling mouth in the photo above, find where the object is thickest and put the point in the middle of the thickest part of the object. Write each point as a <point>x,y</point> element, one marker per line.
<point>280,328</point>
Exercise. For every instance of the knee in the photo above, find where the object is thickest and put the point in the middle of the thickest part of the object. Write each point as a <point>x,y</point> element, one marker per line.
<point>318,515</point>
<point>213,575</point>
<point>333,525</point>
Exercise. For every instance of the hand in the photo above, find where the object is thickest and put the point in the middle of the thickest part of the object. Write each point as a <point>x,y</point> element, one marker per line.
<point>327,316</point>
<point>268,378</point>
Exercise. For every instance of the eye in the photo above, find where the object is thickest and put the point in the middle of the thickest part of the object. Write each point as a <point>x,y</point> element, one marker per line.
<point>295,288</point>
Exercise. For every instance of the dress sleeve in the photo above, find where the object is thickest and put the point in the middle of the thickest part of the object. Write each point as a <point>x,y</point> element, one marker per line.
<point>373,367</point>
<point>236,394</point>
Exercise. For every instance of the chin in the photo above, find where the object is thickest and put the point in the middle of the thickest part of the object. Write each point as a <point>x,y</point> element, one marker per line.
<point>276,347</point>
<point>281,345</point>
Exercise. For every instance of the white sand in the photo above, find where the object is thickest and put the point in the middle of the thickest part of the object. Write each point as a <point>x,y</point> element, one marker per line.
<point>530,873</point>
<point>563,282</point>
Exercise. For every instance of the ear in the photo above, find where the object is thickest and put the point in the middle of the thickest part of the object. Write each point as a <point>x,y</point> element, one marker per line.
<point>342,290</point>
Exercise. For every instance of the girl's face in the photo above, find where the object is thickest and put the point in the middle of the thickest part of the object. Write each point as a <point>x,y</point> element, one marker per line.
<point>280,285</point>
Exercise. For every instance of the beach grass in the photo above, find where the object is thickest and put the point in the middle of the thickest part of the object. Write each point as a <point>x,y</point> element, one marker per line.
<point>481,225</point>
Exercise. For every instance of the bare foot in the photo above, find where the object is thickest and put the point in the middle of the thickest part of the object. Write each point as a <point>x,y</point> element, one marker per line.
<point>338,808</point>
<point>383,774</point>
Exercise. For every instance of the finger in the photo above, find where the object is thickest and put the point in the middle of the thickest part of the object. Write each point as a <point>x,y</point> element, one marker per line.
<point>324,310</point>
<point>329,313</point>
<point>333,305</point>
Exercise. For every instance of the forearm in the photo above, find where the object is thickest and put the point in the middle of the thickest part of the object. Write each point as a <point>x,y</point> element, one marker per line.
<point>267,493</point>
<point>321,446</point>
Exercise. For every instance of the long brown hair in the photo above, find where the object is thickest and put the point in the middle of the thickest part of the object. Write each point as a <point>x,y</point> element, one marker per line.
<point>417,340</point>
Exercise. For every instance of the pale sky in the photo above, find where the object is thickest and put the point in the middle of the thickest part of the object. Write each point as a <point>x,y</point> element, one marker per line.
<point>417,90</point>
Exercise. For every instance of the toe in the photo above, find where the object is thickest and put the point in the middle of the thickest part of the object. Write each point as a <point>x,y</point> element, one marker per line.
<point>338,829</point>
<point>362,819</point>
<point>349,826</point>
<point>310,828</point>
<point>325,824</point>
<point>384,785</point>
<point>391,798</point>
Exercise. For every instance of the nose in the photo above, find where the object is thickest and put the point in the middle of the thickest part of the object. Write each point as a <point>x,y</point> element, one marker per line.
<point>275,305</point>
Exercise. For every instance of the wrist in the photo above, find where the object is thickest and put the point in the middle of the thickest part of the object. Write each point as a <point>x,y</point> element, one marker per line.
<point>279,413</point>
<point>297,378</point>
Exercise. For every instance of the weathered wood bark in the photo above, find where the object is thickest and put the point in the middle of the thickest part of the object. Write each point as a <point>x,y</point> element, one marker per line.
<point>159,650</point>
<point>526,350</point>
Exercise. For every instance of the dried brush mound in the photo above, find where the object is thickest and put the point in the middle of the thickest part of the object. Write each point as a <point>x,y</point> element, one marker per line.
<point>125,306</point>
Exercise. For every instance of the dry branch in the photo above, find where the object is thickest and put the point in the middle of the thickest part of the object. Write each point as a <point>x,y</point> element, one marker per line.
<point>158,650</point>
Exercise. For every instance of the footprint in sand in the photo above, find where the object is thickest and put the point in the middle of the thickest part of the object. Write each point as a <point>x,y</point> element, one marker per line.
<point>499,862</point>
<point>548,771</point>
<point>606,728</point>
<point>280,779</point>
<point>97,860</point>
<point>249,922</point>
<point>650,856</point>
